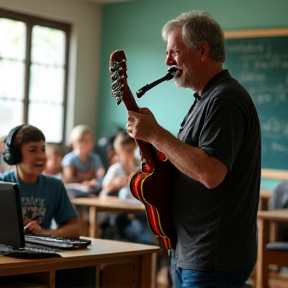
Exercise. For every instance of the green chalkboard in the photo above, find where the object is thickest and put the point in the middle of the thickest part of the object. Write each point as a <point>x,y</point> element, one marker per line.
<point>258,59</point>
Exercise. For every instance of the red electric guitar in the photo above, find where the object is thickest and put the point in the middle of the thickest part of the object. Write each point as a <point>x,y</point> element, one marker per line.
<point>152,186</point>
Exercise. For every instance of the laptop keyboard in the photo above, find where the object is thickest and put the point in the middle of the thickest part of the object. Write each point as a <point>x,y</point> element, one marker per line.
<point>30,252</point>
<point>38,247</point>
<point>57,242</point>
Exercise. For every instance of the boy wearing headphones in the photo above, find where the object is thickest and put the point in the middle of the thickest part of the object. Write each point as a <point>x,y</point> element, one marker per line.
<point>43,197</point>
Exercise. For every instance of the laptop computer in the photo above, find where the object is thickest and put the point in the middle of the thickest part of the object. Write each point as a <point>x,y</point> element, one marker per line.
<point>13,241</point>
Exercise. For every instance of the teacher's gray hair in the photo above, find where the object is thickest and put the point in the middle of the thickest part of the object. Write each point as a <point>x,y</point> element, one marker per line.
<point>198,26</point>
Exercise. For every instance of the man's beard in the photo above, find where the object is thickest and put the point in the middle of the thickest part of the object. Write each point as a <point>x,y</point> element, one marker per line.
<point>183,81</point>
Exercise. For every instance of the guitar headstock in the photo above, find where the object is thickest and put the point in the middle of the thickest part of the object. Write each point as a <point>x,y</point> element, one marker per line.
<point>118,75</point>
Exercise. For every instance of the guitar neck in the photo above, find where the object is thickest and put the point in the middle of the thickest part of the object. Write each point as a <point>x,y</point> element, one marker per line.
<point>131,105</point>
<point>122,92</point>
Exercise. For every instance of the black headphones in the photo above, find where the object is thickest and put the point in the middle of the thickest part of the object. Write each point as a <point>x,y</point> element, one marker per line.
<point>12,155</point>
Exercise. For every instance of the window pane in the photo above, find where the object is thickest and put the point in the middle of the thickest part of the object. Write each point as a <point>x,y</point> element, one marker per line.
<point>11,115</point>
<point>48,118</point>
<point>46,74</point>
<point>48,46</point>
<point>12,79</point>
<point>12,39</point>
<point>46,84</point>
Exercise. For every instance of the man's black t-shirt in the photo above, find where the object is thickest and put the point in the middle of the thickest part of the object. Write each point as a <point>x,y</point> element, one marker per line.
<point>216,228</point>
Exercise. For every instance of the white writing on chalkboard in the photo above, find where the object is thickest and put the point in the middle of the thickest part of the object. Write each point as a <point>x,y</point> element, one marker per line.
<point>274,94</point>
<point>278,147</point>
<point>274,128</point>
<point>247,76</point>
<point>246,48</point>
<point>261,66</point>
<point>275,61</point>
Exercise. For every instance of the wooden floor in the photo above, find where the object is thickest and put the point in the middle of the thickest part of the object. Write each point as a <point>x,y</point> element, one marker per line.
<point>278,280</point>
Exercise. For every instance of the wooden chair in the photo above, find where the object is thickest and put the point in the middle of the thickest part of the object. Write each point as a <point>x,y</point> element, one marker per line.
<point>270,253</point>
<point>277,253</point>
<point>277,248</point>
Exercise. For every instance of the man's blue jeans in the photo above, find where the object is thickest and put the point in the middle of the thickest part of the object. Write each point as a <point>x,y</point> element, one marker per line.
<point>189,278</point>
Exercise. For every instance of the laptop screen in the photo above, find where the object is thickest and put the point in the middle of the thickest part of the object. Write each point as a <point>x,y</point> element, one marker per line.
<point>12,232</point>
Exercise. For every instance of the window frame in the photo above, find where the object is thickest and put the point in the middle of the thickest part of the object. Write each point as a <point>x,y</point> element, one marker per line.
<point>31,21</point>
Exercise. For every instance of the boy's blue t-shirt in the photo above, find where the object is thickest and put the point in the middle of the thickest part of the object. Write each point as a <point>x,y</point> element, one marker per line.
<point>44,200</point>
<point>93,162</point>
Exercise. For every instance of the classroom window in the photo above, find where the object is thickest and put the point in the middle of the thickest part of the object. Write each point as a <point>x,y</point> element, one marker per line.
<point>33,73</point>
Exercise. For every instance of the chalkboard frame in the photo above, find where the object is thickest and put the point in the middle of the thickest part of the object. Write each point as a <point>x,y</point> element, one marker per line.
<point>271,32</point>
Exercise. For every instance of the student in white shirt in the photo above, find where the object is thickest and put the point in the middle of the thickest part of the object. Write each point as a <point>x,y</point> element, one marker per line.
<point>130,227</point>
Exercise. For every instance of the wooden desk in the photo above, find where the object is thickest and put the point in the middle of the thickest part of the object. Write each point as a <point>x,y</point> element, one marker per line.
<point>264,217</point>
<point>116,264</point>
<point>109,204</point>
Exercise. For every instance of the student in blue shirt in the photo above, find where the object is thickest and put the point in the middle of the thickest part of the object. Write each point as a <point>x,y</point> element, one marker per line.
<point>82,165</point>
<point>43,197</point>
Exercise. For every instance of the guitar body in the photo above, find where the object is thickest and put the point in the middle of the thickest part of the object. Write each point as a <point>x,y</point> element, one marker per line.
<point>153,184</point>
<point>153,189</point>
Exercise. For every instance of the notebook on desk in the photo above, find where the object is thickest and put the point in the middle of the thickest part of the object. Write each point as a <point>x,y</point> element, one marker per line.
<point>13,241</point>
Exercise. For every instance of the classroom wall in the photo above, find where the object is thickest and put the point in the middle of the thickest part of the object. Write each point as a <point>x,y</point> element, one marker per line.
<point>135,27</point>
<point>85,18</point>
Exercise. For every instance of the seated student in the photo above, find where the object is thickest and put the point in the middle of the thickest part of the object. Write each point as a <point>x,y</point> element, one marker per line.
<point>125,166</point>
<point>43,197</point>
<point>2,142</point>
<point>3,165</point>
<point>279,200</point>
<point>81,165</point>
<point>129,227</point>
<point>54,155</point>
<point>104,148</point>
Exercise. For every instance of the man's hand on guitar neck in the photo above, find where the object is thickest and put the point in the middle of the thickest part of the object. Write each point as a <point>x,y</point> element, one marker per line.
<point>143,125</point>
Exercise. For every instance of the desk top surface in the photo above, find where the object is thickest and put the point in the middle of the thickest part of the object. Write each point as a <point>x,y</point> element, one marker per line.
<point>108,202</point>
<point>100,249</point>
<point>106,247</point>
<point>274,215</point>
<point>115,202</point>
